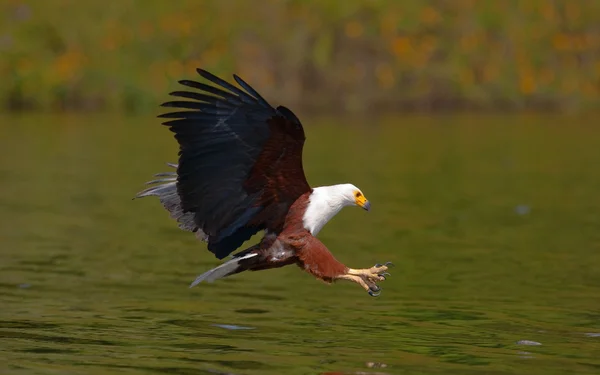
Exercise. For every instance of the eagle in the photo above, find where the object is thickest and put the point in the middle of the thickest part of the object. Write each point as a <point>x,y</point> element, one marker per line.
<point>240,172</point>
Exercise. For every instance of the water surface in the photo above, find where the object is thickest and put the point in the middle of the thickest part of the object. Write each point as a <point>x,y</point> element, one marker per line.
<point>493,223</point>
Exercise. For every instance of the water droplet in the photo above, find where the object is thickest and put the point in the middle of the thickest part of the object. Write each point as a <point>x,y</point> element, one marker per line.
<point>375,365</point>
<point>522,209</point>
<point>528,342</point>
<point>524,355</point>
<point>231,327</point>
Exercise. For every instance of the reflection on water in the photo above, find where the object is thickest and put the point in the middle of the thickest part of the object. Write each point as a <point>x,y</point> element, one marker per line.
<point>492,223</point>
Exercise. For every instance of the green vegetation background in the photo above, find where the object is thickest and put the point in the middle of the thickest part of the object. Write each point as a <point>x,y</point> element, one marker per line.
<point>346,55</point>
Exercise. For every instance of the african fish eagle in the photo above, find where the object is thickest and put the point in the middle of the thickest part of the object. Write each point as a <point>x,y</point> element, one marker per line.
<point>239,172</point>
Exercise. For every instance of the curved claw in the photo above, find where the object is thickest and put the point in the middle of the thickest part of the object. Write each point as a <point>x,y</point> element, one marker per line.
<point>388,264</point>
<point>375,288</point>
<point>375,294</point>
<point>384,275</point>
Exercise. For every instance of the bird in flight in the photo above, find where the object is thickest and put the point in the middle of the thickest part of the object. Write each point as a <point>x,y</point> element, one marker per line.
<point>240,172</point>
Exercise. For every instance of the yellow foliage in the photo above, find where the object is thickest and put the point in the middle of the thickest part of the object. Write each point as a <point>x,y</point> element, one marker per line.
<point>561,42</point>
<point>388,25</point>
<point>590,89</point>
<point>146,29</point>
<point>385,75</point>
<point>354,29</point>
<point>430,16</point>
<point>176,24</point>
<point>185,27</point>
<point>428,44</point>
<point>546,76</point>
<point>401,46</point>
<point>490,72</point>
<point>68,64</point>
<point>527,83</point>
<point>175,68</point>
<point>109,43</point>
<point>548,11</point>
<point>466,76</point>
<point>572,11</point>
<point>25,66</point>
<point>487,49</point>
<point>568,85</point>
<point>597,69</point>
<point>469,42</point>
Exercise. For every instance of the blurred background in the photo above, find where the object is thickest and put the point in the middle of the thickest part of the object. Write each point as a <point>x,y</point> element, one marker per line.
<point>471,126</point>
<point>382,55</point>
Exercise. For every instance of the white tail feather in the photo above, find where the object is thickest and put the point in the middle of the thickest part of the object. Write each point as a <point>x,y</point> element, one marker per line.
<point>221,271</point>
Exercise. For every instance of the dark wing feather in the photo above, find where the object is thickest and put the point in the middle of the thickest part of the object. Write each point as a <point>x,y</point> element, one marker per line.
<point>240,161</point>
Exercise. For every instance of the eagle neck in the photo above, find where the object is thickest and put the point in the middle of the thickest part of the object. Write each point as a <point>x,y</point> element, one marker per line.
<point>323,204</point>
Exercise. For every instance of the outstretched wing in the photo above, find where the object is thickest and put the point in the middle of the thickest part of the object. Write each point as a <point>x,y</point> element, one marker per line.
<point>240,163</point>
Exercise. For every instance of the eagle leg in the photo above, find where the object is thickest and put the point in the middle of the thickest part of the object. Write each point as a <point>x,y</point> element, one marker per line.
<point>368,277</point>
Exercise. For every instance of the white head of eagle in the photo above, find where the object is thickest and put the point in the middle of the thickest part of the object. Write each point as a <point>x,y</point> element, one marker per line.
<point>326,201</point>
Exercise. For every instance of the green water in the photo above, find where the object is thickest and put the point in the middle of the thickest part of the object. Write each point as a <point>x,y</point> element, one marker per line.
<point>492,222</point>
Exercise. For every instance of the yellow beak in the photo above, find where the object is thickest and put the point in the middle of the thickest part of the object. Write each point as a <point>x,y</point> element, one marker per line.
<point>363,202</point>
